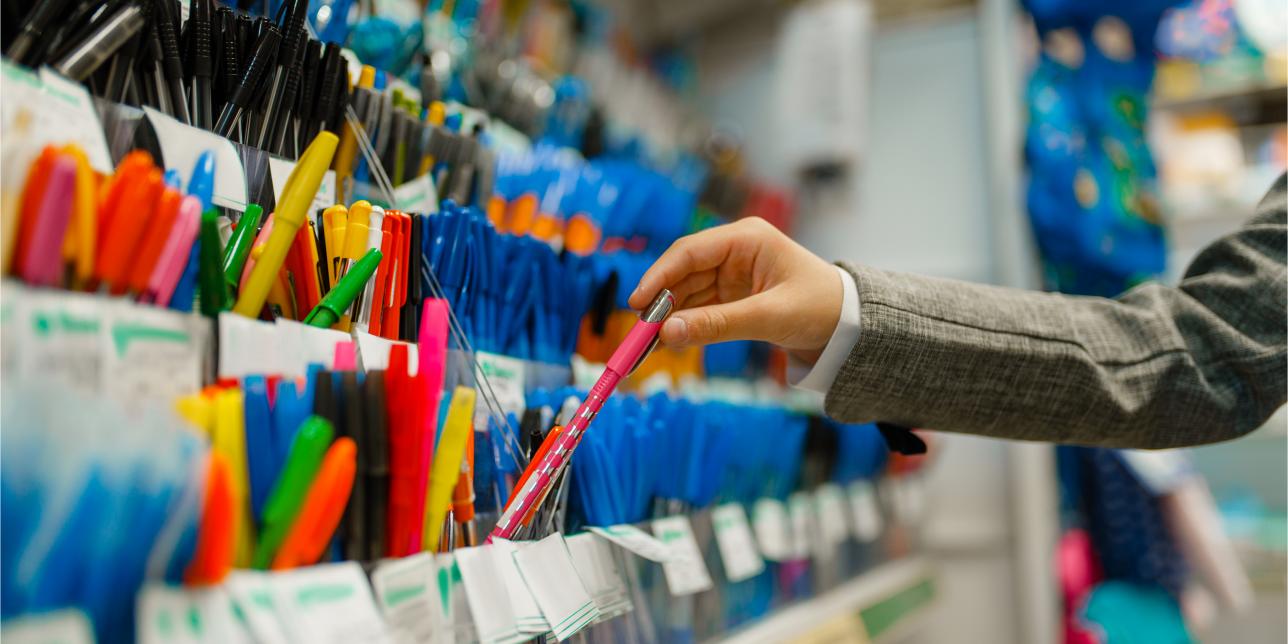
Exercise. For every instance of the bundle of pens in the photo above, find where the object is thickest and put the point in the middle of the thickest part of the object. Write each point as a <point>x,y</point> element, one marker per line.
<point>261,82</point>
<point>96,499</point>
<point>132,233</point>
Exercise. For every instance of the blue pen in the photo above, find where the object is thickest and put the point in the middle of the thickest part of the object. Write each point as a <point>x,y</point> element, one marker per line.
<point>291,408</point>
<point>201,183</point>
<point>261,458</point>
<point>185,290</point>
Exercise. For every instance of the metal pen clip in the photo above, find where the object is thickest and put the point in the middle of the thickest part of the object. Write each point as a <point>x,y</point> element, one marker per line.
<point>658,311</point>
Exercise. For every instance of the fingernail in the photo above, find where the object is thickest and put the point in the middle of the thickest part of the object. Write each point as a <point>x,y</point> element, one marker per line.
<point>676,331</point>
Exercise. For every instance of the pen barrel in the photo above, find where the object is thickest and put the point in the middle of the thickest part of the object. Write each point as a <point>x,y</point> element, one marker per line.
<point>171,61</point>
<point>278,138</point>
<point>271,107</point>
<point>79,63</point>
<point>201,47</point>
<point>201,103</point>
<point>259,61</point>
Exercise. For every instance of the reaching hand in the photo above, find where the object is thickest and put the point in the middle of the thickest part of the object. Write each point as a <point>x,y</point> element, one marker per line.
<point>745,281</point>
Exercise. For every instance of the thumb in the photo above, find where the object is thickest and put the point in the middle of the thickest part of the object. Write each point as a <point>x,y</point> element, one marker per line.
<point>740,320</point>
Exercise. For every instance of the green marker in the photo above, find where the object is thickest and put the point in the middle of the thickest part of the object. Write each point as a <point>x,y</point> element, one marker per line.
<point>337,302</point>
<point>284,502</point>
<point>240,244</point>
<point>215,296</point>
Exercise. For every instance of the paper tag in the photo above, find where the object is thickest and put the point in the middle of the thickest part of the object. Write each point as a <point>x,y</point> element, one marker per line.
<point>682,577</point>
<point>458,622</point>
<point>252,591</point>
<point>53,110</point>
<point>906,497</point>
<point>527,614</point>
<point>737,546</point>
<point>330,603</point>
<point>773,529</point>
<point>189,616</point>
<point>801,511</point>
<point>548,570</point>
<point>152,353</point>
<point>489,602</point>
<point>506,376</point>
<point>829,503</point>
<point>247,347</point>
<point>639,542</point>
<point>181,146</point>
<point>279,170</point>
<point>373,353</point>
<point>65,626</point>
<point>408,593</point>
<point>865,512</point>
<point>417,195</point>
<point>60,338</point>
<point>593,559</point>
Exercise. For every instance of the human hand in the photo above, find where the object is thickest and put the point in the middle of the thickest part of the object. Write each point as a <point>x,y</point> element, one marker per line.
<point>745,281</point>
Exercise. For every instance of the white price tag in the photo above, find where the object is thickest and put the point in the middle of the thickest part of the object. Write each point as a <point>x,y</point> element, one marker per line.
<point>551,576</point>
<point>181,145</point>
<point>527,614</point>
<point>330,603</point>
<point>65,626</point>
<point>252,591</point>
<point>417,195</point>
<point>737,546</point>
<point>506,377</point>
<point>829,502</point>
<point>458,622</point>
<point>247,347</point>
<point>60,337</point>
<point>801,510</point>
<point>489,602</point>
<point>865,512</point>
<point>682,577</point>
<point>188,616</point>
<point>593,560</point>
<point>773,529</point>
<point>407,591</point>
<point>152,353</point>
<point>46,108</point>
<point>639,542</point>
<point>279,170</point>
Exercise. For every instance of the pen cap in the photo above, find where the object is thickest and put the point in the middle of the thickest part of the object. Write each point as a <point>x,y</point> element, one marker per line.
<point>328,84</point>
<point>199,40</point>
<point>265,48</point>
<point>355,233</point>
<point>164,22</point>
<point>337,301</point>
<point>202,182</point>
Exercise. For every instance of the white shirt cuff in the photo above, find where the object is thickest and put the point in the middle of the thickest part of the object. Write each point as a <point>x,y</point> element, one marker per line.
<point>819,378</point>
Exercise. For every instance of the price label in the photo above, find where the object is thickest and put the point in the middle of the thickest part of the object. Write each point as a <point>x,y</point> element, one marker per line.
<point>773,529</point>
<point>865,512</point>
<point>640,543</point>
<point>737,546</point>
<point>801,510</point>
<point>829,502</point>
<point>682,577</point>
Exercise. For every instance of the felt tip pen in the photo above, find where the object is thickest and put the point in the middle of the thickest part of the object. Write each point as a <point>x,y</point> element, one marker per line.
<point>641,340</point>
<point>337,301</point>
<point>239,246</point>
<point>322,509</point>
<point>287,496</point>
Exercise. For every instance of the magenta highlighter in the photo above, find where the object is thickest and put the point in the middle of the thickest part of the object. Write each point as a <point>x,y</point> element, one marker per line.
<point>626,359</point>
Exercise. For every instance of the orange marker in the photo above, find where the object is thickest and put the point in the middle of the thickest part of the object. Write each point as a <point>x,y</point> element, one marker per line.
<point>386,267</point>
<point>396,290</point>
<point>138,200</point>
<point>132,169</point>
<point>153,240</point>
<point>322,508</point>
<point>216,538</point>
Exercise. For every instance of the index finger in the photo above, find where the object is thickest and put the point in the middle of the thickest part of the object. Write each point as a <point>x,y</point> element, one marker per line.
<point>697,252</point>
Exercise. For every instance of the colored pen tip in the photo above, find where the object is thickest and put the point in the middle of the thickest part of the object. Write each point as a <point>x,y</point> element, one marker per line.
<point>202,182</point>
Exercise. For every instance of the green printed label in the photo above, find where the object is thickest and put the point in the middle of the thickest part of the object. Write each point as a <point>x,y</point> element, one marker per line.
<point>123,334</point>
<point>323,594</point>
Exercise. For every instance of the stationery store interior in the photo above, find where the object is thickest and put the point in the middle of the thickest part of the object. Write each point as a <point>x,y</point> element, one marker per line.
<point>882,321</point>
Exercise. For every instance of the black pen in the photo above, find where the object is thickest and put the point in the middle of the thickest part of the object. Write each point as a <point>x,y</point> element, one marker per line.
<point>343,96</point>
<point>244,91</point>
<point>355,513</point>
<point>307,98</point>
<point>87,56</point>
<point>377,448</point>
<point>73,29</point>
<point>163,19</point>
<point>35,23</point>
<point>281,122</point>
<point>291,25</point>
<point>227,55</point>
<point>411,312</point>
<point>328,89</point>
<point>203,67</point>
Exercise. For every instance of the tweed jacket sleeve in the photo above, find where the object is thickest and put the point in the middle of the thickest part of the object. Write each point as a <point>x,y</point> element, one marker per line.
<point>1157,367</point>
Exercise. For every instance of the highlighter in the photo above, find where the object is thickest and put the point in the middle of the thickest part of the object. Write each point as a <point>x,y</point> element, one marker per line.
<point>291,211</point>
<point>287,496</point>
<point>239,245</point>
<point>337,301</point>
<point>216,538</point>
<point>229,439</point>
<point>431,370</point>
<point>322,509</point>
<point>215,293</point>
<point>447,464</point>
<point>82,231</point>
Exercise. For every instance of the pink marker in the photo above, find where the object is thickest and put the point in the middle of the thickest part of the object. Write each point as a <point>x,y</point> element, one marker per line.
<point>174,255</point>
<point>432,351</point>
<point>44,258</point>
<point>346,357</point>
<point>626,359</point>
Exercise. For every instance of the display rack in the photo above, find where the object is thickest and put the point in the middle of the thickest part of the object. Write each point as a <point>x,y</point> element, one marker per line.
<point>889,600</point>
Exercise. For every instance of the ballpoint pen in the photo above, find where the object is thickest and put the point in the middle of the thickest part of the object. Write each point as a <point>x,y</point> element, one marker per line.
<point>288,493</point>
<point>334,221</point>
<point>243,92</point>
<point>395,295</point>
<point>229,438</point>
<point>292,209</point>
<point>92,52</point>
<point>463,496</point>
<point>322,509</point>
<point>34,24</point>
<point>360,312</point>
<point>33,195</point>
<point>372,322</point>
<point>308,96</point>
<point>348,147</point>
<point>171,63</point>
<point>328,85</point>
<point>291,24</point>
<point>124,227</point>
<point>283,122</point>
<point>404,404</point>
<point>338,299</point>
<point>203,64</point>
<point>637,345</point>
<point>261,463</point>
<point>228,56</point>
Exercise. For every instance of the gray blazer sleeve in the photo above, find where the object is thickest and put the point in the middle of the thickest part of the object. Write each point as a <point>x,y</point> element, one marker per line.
<point>1157,367</point>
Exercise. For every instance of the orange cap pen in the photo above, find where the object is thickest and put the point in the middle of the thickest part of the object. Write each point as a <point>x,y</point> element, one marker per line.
<point>216,537</point>
<point>322,508</point>
<point>121,236</point>
<point>154,237</point>
<point>133,168</point>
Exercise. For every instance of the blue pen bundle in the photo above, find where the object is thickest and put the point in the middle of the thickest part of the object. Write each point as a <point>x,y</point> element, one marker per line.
<point>95,499</point>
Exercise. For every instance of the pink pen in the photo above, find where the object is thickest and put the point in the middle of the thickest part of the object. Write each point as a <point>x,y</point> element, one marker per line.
<point>432,350</point>
<point>626,359</point>
<point>174,255</point>
<point>44,258</point>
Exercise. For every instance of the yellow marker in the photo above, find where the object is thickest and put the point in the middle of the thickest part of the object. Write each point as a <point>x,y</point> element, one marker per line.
<point>197,410</point>
<point>355,237</point>
<point>292,208</point>
<point>229,439</point>
<point>82,229</point>
<point>447,464</point>
<point>334,219</point>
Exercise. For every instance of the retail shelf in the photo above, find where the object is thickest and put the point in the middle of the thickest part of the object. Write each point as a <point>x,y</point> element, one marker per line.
<point>889,599</point>
<point>1255,91</point>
